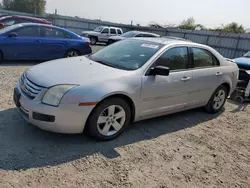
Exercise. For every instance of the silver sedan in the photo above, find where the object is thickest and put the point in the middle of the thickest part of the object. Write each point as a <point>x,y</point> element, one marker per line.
<point>128,81</point>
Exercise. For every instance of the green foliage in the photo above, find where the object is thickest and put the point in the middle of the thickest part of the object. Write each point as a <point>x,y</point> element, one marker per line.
<point>232,28</point>
<point>187,24</point>
<point>28,6</point>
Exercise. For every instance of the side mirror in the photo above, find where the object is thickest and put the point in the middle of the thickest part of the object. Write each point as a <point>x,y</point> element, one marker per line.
<point>159,70</point>
<point>12,35</point>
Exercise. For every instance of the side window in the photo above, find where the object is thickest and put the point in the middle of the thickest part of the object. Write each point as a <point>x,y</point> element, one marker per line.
<point>25,21</point>
<point>148,35</point>
<point>119,31</point>
<point>174,58</point>
<point>112,31</point>
<point>55,33</point>
<point>10,21</point>
<point>29,32</point>
<point>139,35</point>
<point>203,58</point>
<point>105,31</point>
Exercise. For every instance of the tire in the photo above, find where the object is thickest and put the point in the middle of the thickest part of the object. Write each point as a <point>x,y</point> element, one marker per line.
<point>217,100</point>
<point>1,56</point>
<point>103,124</point>
<point>93,40</point>
<point>72,53</point>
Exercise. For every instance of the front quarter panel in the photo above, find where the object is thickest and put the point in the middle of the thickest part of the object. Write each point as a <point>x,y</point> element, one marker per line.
<point>129,86</point>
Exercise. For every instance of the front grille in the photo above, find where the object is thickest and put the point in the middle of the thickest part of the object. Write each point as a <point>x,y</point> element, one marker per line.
<point>29,88</point>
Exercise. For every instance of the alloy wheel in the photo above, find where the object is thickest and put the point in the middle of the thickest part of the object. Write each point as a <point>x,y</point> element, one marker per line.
<point>111,120</point>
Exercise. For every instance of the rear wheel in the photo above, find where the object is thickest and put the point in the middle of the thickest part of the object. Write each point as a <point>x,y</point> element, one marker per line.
<point>72,53</point>
<point>217,100</point>
<point>109,119</point>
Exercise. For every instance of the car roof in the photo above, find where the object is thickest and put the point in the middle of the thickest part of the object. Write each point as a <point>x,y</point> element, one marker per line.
<point>26,17</point>
<point>164,40</point>
<point>143,32</point>
<point>110,27</point>
<point>51,26</point>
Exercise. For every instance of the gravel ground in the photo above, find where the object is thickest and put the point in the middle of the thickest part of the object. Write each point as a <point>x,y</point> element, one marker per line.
<point>189,149</point>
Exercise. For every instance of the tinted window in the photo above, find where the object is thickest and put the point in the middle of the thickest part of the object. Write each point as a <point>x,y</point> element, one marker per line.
<point>148,35</point>
<point>26,21</point>
<point>174,59</point>
<point>106,30</point>
<point>55,33</point>
<point>119,31</point>
<point>28,32</point>
<point>126,54</point>
<point>112,31</point>
<point>129,34</point>
<point>203,58</point>
<point>139,35</point>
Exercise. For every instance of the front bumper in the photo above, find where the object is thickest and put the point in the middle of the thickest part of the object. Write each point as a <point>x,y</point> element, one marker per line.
<point>66,118</point>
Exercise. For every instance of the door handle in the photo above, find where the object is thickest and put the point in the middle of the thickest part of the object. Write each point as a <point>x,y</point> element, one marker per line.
<point>184,79</point>
<point>38,41</point>
<point>218,73</point>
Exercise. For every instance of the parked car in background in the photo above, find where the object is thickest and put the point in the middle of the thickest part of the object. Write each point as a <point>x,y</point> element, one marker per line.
<point>102,34</point>
<point>6,21</point>
<point>244,65</point>
<point>128,81</point>
<point>131,34</point>
<point>31,41</point>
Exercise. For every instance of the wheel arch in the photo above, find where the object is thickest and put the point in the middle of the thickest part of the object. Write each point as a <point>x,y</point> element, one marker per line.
<point>122,96</point>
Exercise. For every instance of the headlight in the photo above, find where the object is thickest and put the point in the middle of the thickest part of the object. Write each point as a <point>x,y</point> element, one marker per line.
<point>54,95</point>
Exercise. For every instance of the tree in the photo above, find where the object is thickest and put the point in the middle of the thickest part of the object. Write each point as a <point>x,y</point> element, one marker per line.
<point>234,28</point>
<point>188,24</point>
<point>29,6</point>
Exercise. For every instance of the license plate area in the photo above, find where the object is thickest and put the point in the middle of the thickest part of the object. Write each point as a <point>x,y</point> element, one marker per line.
<point>16,97</point>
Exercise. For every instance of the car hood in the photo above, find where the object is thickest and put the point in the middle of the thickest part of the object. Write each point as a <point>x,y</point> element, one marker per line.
<point>90,32</point>
<point>77,70</point>
<point>242,61</point>
<point>117,38</point>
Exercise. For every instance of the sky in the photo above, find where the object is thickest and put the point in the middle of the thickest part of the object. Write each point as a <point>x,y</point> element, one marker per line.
<point>211,13</point>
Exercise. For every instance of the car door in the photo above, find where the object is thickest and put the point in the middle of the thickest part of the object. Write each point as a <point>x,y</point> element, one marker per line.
<point>54,43</point>
<point>25,45</point>
<point>205,68</point>
<point>163,94</point>
<point>104,36</point>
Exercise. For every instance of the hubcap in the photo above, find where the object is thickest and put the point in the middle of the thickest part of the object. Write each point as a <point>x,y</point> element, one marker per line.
<point>72,54</point>
<point>111,120</point>
<point>93,41</point>
<point>219,99</point>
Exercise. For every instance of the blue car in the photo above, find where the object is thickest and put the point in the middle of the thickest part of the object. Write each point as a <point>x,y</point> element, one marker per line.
<point>244,66</point>
<point>30,41</point>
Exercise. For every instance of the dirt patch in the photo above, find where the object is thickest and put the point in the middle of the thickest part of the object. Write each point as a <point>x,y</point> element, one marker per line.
<point>190,149</point>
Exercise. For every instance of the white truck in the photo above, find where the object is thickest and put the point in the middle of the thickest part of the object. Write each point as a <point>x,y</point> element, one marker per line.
<point>102,34</point>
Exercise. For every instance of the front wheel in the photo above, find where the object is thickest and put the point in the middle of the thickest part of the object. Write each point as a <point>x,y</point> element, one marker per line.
<point>93,40</point>
<point>218,99</point>
<point>109,119</point>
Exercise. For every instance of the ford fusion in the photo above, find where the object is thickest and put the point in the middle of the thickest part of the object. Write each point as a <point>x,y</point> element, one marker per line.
<point>128,81</point>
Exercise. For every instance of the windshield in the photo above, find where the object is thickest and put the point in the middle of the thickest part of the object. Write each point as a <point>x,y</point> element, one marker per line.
<point>129,34</point>
<point>247,54</point>
<point>98,29</point>
<point>126,54</point>
<point>7,29</point>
